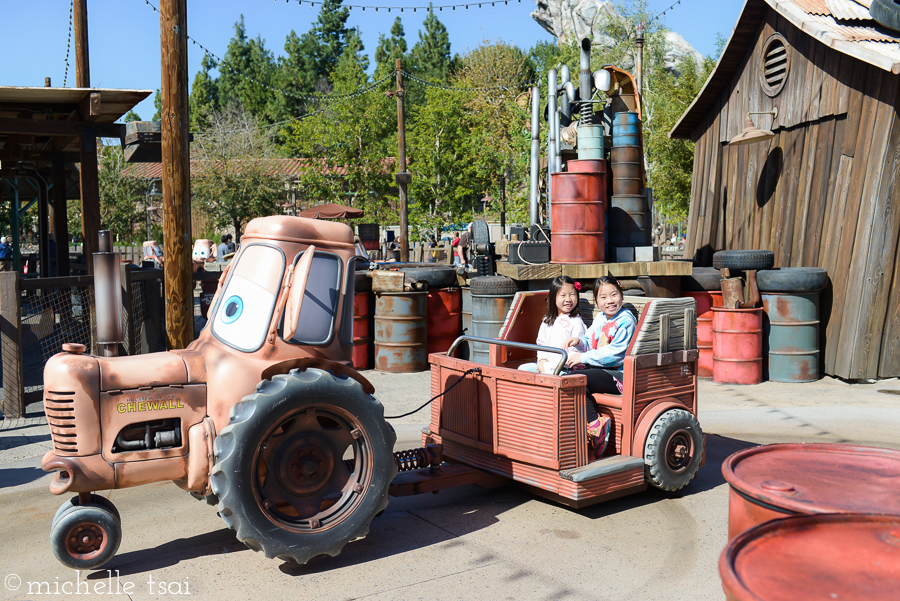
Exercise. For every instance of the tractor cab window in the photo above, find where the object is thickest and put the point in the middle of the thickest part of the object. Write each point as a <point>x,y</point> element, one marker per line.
<point>244,310</point>
<point>315,324</point>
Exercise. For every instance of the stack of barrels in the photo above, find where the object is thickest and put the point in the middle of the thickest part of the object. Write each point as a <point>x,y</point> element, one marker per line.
<point>578,212</point>
<point>630,223</point>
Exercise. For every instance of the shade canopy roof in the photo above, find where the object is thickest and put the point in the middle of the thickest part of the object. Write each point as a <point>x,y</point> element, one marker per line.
<point>331,211</point>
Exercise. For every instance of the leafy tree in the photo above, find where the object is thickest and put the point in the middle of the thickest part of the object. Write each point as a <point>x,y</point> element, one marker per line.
<point>157,104</point>
<point>390,49</point>
<point>122,197</point>
<point>431,54</point>
<point>671,162</point>
<point>350,72</point>
<point>246,74</point>
<point>204,99</point>
<point>233,181</point>
<point>131,116</point>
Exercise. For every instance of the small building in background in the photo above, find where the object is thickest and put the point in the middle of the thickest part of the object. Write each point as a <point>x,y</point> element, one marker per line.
<point>825,191</point>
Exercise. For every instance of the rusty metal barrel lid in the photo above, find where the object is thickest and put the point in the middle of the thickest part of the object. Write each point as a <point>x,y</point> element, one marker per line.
<point>817,478</point>
<point>830,556</point>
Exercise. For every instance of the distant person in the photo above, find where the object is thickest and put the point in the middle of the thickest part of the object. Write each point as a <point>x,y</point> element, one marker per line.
<point>454,248</point>
<point>463,248</point>
<point>232,247</point>
<point>222,249</point>
<point>5,254</point>
<point>431,245</point>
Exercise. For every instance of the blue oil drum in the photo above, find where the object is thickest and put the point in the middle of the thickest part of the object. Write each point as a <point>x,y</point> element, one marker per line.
<point>792,334</point>
<point>626,129</point>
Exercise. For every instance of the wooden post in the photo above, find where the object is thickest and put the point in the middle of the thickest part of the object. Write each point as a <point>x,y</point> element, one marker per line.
<point>11,345</point>
<point>90,198</point>
<point>80,30</point>
<point>128,343</point>
<point>176,174</point>
<point>402,176</point>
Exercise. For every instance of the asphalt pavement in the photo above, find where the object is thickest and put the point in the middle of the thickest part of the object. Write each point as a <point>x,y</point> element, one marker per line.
<point>464,543</point>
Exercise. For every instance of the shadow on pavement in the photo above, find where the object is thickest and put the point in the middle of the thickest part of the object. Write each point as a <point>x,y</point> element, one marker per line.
<point>171,553</point>
<point>15,476</point>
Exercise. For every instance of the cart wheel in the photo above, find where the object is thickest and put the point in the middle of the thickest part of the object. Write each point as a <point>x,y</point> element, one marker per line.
<point>673,450</point>
<point>303,465</point>
<point>85,537</point>
<point>95,500</point>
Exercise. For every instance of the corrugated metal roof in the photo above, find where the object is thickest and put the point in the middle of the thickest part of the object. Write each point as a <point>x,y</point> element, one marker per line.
<point>861,38</point>
<point>813,7</point>
<point>847,10</point>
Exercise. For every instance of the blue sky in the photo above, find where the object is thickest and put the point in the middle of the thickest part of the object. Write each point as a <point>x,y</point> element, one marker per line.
<point>124,34</point>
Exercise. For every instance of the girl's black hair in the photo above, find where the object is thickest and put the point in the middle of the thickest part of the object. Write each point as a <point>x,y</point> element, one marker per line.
<point>606,279</point>
<point>555,285</point>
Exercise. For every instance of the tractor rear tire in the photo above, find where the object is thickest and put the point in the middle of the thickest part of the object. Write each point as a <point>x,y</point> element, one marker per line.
<point>673,450</point>
<point>303,465</point>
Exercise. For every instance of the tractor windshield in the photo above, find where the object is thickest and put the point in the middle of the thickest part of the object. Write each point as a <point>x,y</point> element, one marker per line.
<point>245,310</point>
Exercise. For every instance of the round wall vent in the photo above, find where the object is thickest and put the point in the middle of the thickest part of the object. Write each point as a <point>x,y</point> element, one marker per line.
<point>776,63</point>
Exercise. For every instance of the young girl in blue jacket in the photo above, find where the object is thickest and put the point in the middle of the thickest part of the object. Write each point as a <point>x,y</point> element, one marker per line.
<point>600,353</point>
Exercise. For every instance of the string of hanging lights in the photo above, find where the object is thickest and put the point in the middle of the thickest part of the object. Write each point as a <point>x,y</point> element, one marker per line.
<point>414,9</point>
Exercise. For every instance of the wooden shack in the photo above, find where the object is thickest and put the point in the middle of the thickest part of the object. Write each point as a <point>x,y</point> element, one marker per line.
<point>825,191</point>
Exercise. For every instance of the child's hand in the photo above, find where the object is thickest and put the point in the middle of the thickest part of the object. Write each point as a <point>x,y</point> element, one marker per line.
<point>573,360</point>
<point>542,366</point>
<point>571,342</point>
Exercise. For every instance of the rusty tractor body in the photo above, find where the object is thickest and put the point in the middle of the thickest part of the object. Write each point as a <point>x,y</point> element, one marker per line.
<point>264,392</point>
<point>263,417</point>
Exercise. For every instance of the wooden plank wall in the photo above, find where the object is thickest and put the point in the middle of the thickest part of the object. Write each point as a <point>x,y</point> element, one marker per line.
<point>824,192</point>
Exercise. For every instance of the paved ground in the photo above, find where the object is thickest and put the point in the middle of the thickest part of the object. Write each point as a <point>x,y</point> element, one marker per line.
<point>465,543</point>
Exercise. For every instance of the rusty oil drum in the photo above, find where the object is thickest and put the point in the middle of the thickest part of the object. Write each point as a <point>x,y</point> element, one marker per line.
<point>626,163</point>
<point>401,331</point>
<point>830,556</point>
<point>630,222</point>
<point>444,318</point>
<point>578,213</point>
<point>361,330</point>
<point>737,345</point>
<point>706,300</point>
<point>792,334</point>
<point>776,481</point>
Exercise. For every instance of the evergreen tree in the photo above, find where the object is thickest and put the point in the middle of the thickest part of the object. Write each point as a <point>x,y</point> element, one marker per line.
<point>350,72</point>
<point>204,95</point>
<point>390,49</point>
<point>245,71</point>
<point>157,104</point>
<point>131,116</point>
<point>431,54</point>
<point>331,32</point>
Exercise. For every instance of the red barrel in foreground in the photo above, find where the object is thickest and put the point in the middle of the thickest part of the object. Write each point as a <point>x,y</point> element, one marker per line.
<point>833,556</point>
<point>780,480</point>
<point>737,345</point>
<point>706,300</point>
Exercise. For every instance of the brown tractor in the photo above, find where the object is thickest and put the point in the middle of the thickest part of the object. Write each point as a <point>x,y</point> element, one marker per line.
<point>260,416</point>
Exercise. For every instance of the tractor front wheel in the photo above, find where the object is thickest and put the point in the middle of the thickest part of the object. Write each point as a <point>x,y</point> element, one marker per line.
<point>84,537</point>
<point>303,465</point>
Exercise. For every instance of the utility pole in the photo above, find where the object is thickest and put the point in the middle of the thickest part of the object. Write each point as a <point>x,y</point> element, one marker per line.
<point>89,184</point>
<point>80,27</point>
<point>176,174</point>
<point>403,177</point>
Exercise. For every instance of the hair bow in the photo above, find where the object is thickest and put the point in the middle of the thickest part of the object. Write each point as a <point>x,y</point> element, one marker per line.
<point>578,286</point>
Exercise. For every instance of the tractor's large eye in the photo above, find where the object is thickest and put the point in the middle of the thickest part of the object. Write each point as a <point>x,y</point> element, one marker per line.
<point>232,309</point>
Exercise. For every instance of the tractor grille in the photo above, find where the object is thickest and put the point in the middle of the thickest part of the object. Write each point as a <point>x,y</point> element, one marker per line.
<point>60,410</point>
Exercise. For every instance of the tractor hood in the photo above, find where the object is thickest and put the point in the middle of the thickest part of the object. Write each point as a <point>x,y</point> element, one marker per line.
<point>138,371</point>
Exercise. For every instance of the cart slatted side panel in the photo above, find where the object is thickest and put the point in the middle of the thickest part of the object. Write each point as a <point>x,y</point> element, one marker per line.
<point>527,418</point>
<point>672,381</point>
<point>572,428</point>
<point>466,409</point>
